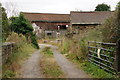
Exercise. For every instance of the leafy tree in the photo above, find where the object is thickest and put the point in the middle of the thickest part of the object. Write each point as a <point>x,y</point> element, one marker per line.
<point>102,7</point>
<point>21,26</point>
<point>117,20</point>
<point>111,28</point>
<point>5,25</point>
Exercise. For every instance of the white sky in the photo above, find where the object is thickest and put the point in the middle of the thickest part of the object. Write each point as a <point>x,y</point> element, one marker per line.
<point>58,6</point>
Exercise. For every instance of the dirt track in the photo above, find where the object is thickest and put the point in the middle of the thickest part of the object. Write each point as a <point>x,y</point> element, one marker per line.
<point>31,67</point>
<point>70,70</point>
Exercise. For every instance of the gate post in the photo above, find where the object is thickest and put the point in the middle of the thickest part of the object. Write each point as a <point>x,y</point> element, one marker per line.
<point>118,56</point>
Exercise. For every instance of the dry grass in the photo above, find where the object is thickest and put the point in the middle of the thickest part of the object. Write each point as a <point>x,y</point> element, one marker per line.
<point>13,63</point>
<point>49,66</point>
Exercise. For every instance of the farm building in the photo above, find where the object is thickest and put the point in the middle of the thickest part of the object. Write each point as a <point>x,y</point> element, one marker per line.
<point>49,23</point>
<point>80,20</point>
<point>56,24</point>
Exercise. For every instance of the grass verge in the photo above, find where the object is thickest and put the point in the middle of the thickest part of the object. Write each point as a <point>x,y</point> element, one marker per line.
<point>49,66</point>
<point>89,68</point>
<point>13,64</point>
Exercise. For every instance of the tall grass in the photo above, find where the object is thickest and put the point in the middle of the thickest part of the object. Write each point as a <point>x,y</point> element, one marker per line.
<point>48,64</point>
<point>78,43</point>
<point>13,63</point>
<point>76,50</point>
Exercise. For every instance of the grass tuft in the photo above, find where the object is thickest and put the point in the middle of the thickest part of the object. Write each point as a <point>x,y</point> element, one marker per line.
<point>89,68</point>
<point>14,61</point>
<point>49,66</point>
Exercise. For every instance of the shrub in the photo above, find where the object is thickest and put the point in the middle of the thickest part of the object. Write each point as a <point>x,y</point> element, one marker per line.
<point>9,73</point>
<point>34,41</point>
<point>21,26</point>
<point>111,28</point>
<point>22,52</point>
<point>47,50</point>
<point>18,39</point>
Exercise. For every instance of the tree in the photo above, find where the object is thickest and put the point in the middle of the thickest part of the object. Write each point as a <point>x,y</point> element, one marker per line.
<point>117,20</point>
<point>111,30</point>
<point>102,7</point>
<point>5,25</point>
<point>21,26</point>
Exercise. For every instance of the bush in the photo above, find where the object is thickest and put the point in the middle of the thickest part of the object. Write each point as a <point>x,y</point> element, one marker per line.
<point>22,52</point>
<point>111,28</point>
<point>18,39</point>
<point>34,41</point>
<point>9,74</point>
<point>21,26</point>
<point>47,50</point>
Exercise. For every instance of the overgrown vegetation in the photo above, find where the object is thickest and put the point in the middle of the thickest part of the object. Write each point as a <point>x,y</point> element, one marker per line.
<point>78,43</point>
<point>21,26</point>
<point>89,68</point>
<point>5,24</point>
<point>111,28</point>
<point>23,50</point>
<point>49,66</point>
<point>74,46</point>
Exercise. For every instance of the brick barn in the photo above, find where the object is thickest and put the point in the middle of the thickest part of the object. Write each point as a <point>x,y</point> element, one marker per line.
<point>48,22</point>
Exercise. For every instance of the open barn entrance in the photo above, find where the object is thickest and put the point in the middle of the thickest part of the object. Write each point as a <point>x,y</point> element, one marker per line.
<point>62,27</point>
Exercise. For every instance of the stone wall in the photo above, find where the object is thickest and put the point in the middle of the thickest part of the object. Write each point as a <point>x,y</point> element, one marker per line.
<point>7,49</point>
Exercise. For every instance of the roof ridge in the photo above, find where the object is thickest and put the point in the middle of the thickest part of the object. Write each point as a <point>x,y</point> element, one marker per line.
<point>89,11</point>
<point>44,13</point>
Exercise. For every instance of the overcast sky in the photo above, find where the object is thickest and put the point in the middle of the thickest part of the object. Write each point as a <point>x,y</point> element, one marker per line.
<point>58,6</point>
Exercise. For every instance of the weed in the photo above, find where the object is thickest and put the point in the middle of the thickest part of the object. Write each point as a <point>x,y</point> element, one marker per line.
<point>47,50</point>
<point>14,61</point>
<point>77,51</point>
<point>49,66</point>
<point>8,74</point>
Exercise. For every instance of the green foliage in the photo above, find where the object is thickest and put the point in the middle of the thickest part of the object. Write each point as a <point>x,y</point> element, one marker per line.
<point>21,26</point>
<point>9,74</point>
<point>65,47</point>
<point>78,43</point>
<point>19,39</point>
<point>5,25</point>
<point>48,62</point>
<point>111,28</point>
<point>34,41</point>
<point>47,50</point>
<point>22,52</point>
<point>102,7</point>
<point>95,71</point>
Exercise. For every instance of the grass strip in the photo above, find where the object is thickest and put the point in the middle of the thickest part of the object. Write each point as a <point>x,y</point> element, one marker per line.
<point>89,68</point>
<point>13,63</point>
<point>49,66</point>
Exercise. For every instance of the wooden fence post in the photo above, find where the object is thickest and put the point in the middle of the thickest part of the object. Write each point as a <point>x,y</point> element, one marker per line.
<point>118,56</point>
